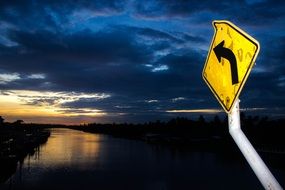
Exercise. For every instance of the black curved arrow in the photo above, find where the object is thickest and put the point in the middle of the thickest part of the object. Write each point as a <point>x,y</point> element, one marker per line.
<point>226,53</point>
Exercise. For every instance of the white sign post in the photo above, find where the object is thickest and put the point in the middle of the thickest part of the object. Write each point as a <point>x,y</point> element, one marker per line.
<point>230,59</point>
<point>256,163</point>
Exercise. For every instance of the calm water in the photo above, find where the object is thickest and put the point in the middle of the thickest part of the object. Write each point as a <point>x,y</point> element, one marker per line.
<point>77,160</point>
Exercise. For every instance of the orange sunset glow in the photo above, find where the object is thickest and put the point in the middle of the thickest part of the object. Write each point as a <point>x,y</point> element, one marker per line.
<point>46,107</point>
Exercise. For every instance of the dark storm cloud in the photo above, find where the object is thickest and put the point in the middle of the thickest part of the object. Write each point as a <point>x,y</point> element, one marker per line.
<point>265,86</point>
<point>52,14</point>
<point>157,90</point>
<point>192,38</point>
<point>83,62</point>
<point>254,12</point>
<point>273,53</point>
<point>145,64</point>
<point>157,35</point>
<point>86,56</point>
<point>172,8</point>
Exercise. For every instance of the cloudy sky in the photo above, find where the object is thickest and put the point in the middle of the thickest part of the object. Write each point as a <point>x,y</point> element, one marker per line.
<point>115,61</point>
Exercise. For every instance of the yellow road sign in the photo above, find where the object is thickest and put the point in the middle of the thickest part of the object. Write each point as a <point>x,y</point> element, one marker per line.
<point>230,59</point>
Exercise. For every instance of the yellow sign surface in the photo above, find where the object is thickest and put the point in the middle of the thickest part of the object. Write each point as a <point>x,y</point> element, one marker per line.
<point>230,59</point>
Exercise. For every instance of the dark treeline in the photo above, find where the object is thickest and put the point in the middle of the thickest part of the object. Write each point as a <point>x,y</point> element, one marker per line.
<point>265,134</point>
<point>260,130</point>
<point>182,127</point>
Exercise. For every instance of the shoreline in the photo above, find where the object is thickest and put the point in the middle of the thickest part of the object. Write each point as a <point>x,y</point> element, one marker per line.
<point>17,142</point>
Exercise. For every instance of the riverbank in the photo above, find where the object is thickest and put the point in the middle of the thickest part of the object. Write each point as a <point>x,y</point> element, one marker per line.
<point>180,133</point>
<point>16,142</point>
<point>72,159</point>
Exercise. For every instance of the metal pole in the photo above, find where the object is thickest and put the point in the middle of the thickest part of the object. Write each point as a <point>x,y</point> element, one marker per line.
<point>256,163</point>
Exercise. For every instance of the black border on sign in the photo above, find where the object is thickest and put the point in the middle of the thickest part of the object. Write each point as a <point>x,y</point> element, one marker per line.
<point>248,37</point>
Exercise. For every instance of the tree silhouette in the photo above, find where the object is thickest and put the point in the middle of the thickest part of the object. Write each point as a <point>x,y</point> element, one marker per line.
<point>1,121</point>
<point>19,122</point>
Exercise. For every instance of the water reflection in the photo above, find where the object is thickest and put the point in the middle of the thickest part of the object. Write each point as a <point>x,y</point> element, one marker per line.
<point>68,147</point>
<point>66,151</point>
<point>77,160</point>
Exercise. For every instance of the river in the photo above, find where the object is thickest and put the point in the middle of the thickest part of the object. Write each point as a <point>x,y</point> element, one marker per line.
<point>73,159</point>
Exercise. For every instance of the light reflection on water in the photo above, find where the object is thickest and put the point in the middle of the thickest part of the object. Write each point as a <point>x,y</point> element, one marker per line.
<point>68,148</point>
<point>76,160</point>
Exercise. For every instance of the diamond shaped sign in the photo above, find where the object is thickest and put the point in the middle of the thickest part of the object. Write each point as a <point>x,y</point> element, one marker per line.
<point>230,59</point>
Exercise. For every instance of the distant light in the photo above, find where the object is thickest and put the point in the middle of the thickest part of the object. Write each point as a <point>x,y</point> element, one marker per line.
<point>160,68</point>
